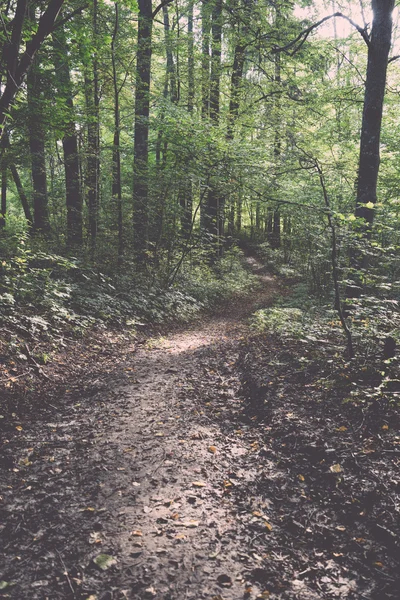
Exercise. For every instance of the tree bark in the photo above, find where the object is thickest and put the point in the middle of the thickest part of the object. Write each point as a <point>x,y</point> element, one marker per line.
<point>73,195</point>
<point>378,53</point>
<point>213,221</point>
<point>37,149</point>
<point>205,58</point>
<point>141,127</point>
<point>3,208</point>
<point>116,183</point>
<point>93,129</point>
<point>369,160</point>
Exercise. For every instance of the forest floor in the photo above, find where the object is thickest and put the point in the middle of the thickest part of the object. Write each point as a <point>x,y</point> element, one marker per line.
<point>211,463</point>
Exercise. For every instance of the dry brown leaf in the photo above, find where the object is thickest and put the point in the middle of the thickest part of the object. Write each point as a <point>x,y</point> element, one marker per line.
<point>212,449</point>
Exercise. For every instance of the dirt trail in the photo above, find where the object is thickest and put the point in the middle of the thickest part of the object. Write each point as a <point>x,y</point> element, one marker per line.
<point>186,488</point>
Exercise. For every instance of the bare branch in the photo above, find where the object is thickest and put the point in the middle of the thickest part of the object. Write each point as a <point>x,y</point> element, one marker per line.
<point>160,7</point>
<point>303,35</point>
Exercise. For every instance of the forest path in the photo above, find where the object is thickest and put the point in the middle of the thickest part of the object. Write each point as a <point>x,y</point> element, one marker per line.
<point>208,464</point>
<point>174,525</point>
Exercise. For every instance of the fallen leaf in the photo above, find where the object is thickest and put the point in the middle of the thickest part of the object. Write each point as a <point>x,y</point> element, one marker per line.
<point>18,428</point>
<point>104,561</point>
<point>198,484</point>
<point>342,428</point>
<point>212,449</point>
<point>137,533</point>
<point>301,477</point>
<point>385,427</point>
<point>268,525</point>
<point>335,468</point>
<point>4,584</point>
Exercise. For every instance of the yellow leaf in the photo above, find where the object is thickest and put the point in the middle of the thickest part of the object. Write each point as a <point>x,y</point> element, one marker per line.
<point>180,536</point>
<point>378,564</point>
<point>136,533</point>
<point>227,483</point>
<point>212,449</point>
<point>301,477</point>
<point>342,428</point>
<point>198,484</point>
<point>18,428</point>
<point>268,525</point>
<point>335,468</point>
<point>385,427</point>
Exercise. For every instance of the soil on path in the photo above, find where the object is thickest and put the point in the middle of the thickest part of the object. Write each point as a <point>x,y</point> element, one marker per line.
<point>184,477</point>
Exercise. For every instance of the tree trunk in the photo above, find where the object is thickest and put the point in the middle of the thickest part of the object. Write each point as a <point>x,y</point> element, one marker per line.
<point>93,128</point>
<point>37,149</point>
<point>73,196</point>
<point>378,53</point>
<point>213,213</point>
<point>117,183</point>
<point>368,170</point>
<point>205,58</point>
<point>187,196</point>
<point>3,208</point>
<point>141,147</point>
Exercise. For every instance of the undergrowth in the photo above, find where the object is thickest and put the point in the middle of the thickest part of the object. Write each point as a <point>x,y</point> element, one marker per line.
<point>44,296</point>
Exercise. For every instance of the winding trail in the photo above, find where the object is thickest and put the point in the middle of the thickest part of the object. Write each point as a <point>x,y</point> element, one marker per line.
<point>174,525</point>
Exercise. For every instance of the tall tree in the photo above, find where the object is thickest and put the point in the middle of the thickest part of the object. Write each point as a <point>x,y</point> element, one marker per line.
<point>37,147</point>
<point>73,193</point>
<point>141,130</point>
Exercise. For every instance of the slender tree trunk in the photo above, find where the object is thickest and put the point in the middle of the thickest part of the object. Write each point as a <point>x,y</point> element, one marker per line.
<point>141,147</point>
<point>275,235</point>
<point>3,208</point>
<point>73,194</point>
<point>22,196</point>
<point>37,149</point>
<point>205,57</point>
<point>171,69</point>
<point>93,128</point>
<point>116,183</point>
<point>213,212</point>
<point>234,104</point>
<point>187,204</point>
<point>191,88</point>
